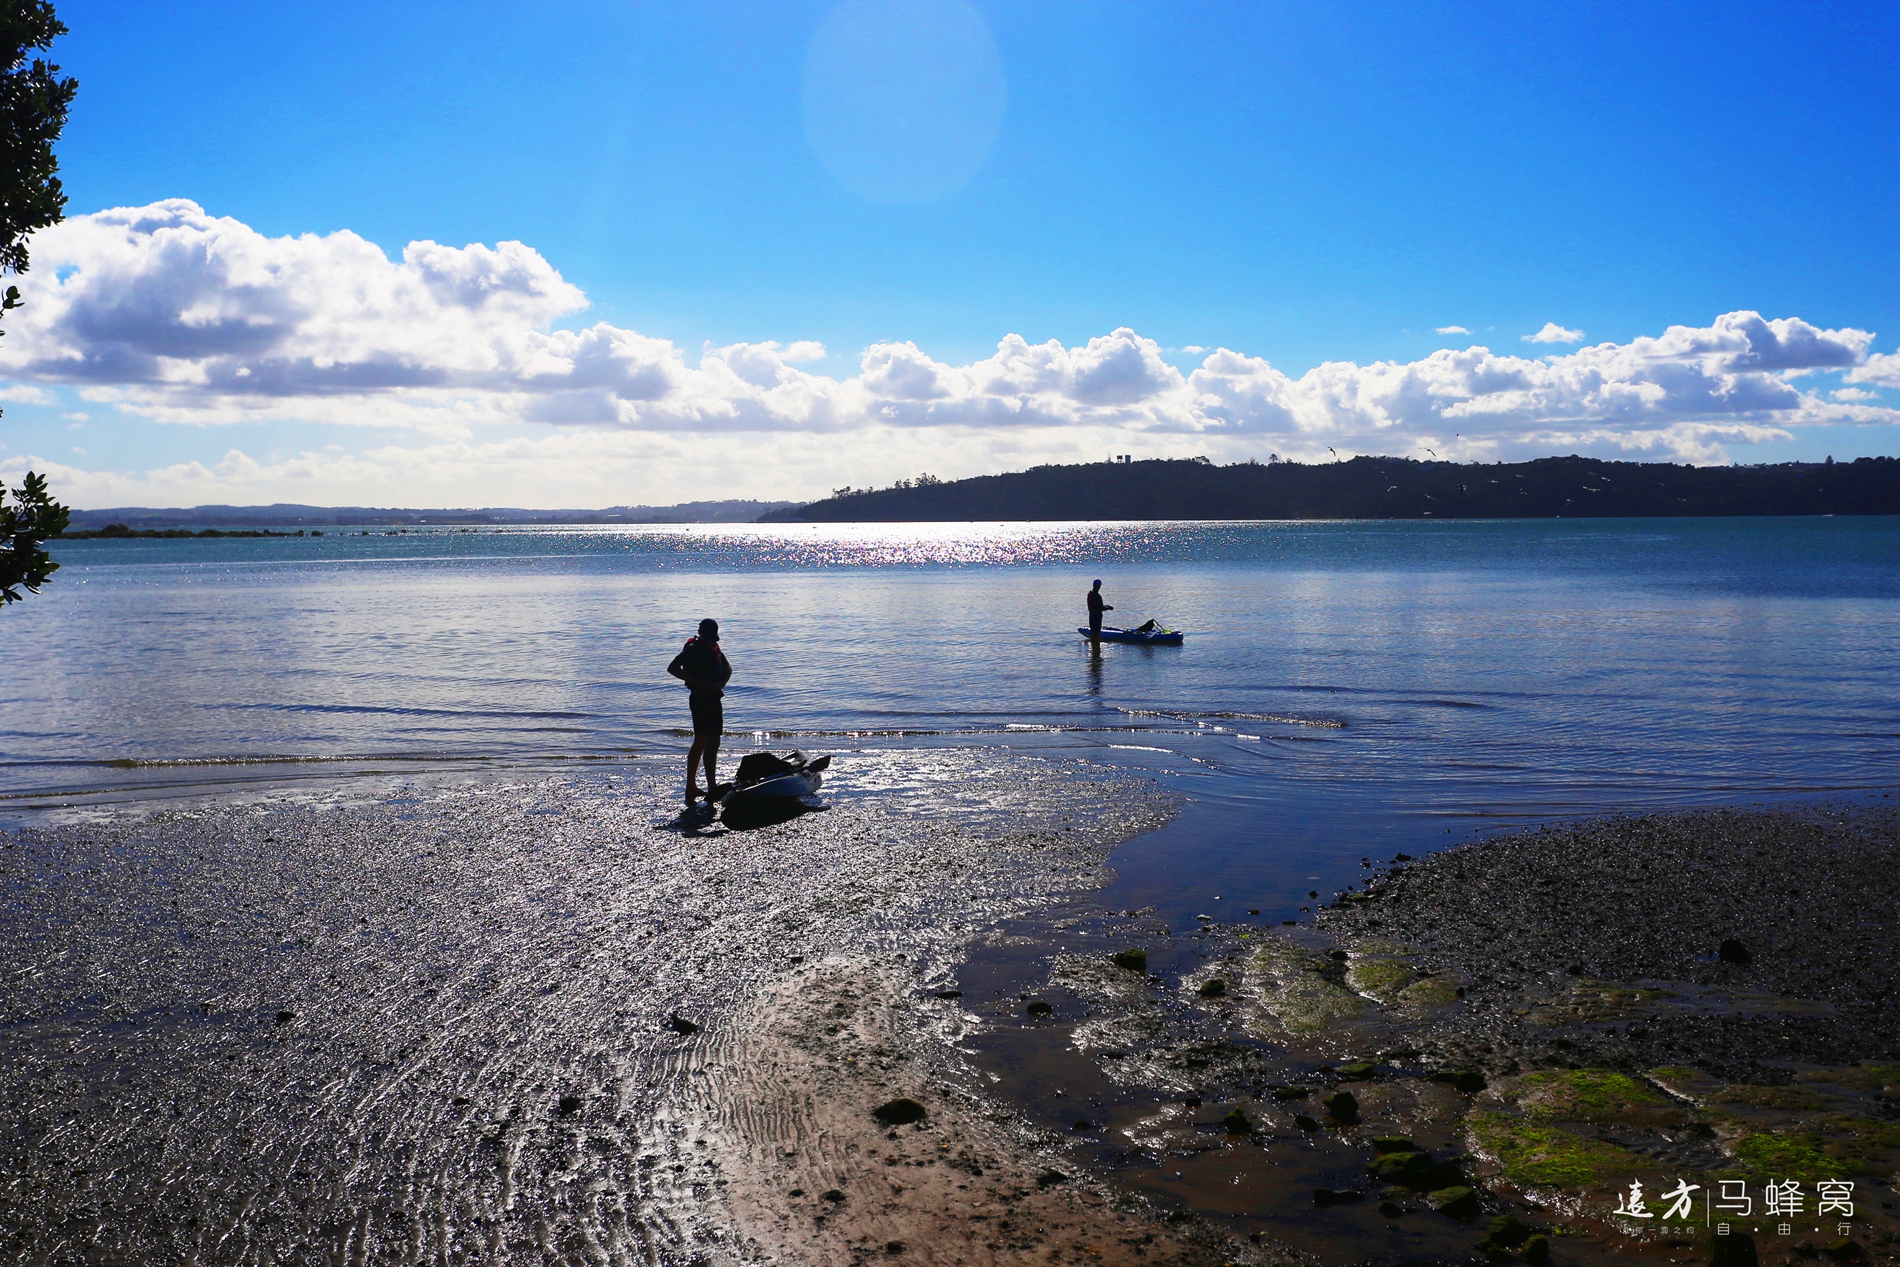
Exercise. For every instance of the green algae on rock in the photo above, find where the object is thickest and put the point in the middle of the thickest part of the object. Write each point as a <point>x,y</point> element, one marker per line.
<point>1378,975</point>
<point>1291,984</point>
<point>1430,992</point>
<point>1536,1156</point>
<point>1592,1095</point>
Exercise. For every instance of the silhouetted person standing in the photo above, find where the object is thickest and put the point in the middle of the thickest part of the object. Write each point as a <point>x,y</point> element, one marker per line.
<point>702,666</point>
<point>1096,608</point>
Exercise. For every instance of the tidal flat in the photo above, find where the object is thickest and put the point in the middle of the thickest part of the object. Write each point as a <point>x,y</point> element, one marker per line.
<point>556,1020</point>
<point>1493,1042</point>
<point>549,1021</point>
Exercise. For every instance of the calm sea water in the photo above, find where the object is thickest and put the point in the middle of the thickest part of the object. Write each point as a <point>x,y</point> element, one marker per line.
<point>1347,689</point>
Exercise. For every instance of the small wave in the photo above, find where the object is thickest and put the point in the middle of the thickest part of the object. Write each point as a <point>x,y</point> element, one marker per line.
<point>437,758</point>
<point>385,710</point>
<point>166,763</point>
<point>1284,719</point>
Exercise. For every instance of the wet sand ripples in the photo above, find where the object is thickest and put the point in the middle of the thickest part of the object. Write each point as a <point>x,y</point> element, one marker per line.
<point>436,1028</point>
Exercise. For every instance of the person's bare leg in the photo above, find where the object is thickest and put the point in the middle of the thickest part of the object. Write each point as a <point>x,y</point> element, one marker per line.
<point>712,765</point>
<point>692,767</point>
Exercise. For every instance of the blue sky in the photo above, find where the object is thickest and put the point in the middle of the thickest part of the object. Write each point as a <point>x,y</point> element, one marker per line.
<point>1297,184</point>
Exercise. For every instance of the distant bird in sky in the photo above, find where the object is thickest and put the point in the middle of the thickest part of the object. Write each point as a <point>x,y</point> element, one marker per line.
<point>1335,452</point>
<point>1429,450</point>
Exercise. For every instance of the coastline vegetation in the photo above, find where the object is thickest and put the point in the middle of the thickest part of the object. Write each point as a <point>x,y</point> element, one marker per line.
<point>113,532</point>
<point>1373,488</point>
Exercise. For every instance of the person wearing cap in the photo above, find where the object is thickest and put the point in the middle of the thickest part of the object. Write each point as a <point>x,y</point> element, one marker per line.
<point>702,666</point>
<point>1096,608</point>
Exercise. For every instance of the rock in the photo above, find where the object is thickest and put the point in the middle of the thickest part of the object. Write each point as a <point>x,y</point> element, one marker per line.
<point>1050,1178</point>
<point>680,1025</point>
<point>1338,956</point>
<point>1237,1123</point>
<point>949,994</point>
<point>1083,1125</point>
<point>1732,951</point>
<point>569,1105</point>
<point>1457,1203</point>
<point>1284,1094</point>
<point>1536,1250</point>
<point>1213,988</point>
<point>1465,1080</point>
<point>1737,1249</point>
<point>833,1195</point>
<point>899,1112</point>
<point>286,1016</point>
<point>797,1192</point>
<point>1253,910</point>
<point>1393,1144</point>
<point>1323,1197</point>
<point>1343,1105</point>
<point>1304,1122</point>
<point>1507,1232</point>
<point>1358,1071</point>
<point>894,1247</point>
<point>1843,1251</point>
<point>1413,1169</point>
<point>1401,857</point>
<point>1193,1101</point>
<point>1038,1008</point>
<point>1133,960</point>
<point>1390,1209</point>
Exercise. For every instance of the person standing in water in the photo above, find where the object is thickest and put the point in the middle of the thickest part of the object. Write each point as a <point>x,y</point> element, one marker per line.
<point>702,666</point>
<point>1096,608</point>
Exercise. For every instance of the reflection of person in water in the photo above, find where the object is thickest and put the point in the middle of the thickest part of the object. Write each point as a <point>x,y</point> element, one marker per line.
<point>702,666</point>
<point>1096,608</point>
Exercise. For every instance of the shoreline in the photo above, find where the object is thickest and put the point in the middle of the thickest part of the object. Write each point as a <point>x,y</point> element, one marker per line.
<point>1534,1016</point>
<point>494,1023</point>
<point>445,1022</point>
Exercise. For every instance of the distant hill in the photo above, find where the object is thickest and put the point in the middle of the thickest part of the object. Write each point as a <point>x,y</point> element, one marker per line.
<point>284,515</point>
<point>1378,488</point>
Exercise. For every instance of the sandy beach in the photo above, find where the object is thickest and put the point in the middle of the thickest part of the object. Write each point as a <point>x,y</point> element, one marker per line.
<point>556,1021</point>
<point>549,1021</point>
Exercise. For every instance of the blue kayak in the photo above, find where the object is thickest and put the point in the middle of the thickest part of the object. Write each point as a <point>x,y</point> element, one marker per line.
<point>1159,638</point>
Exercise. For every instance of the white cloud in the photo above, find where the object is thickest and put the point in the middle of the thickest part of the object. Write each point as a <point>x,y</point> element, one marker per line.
<point>1194,349</point>
<point>1453,330</point>
<point>1881,369</point>
<point>1553,333</point>
<point>1853,393</point>
<point>169,314</point>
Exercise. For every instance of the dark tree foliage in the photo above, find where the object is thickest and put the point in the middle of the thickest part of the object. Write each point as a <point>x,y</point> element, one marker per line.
<point>1378,488</point>
<point>33,104</point>
<point>24,527</point>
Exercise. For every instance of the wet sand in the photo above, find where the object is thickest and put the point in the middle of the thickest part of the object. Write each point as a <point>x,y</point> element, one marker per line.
<point>559,1022</point>
<point>549,1022</point>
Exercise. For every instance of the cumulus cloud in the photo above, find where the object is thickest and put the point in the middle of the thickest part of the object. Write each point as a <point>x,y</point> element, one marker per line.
<point>1882,369</point>
<point>1552,333</point>
<point>1453,330</point>
<point>173,315</point>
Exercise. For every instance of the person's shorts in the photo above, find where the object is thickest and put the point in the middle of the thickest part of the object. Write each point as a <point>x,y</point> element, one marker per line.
<point>709,717</point>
